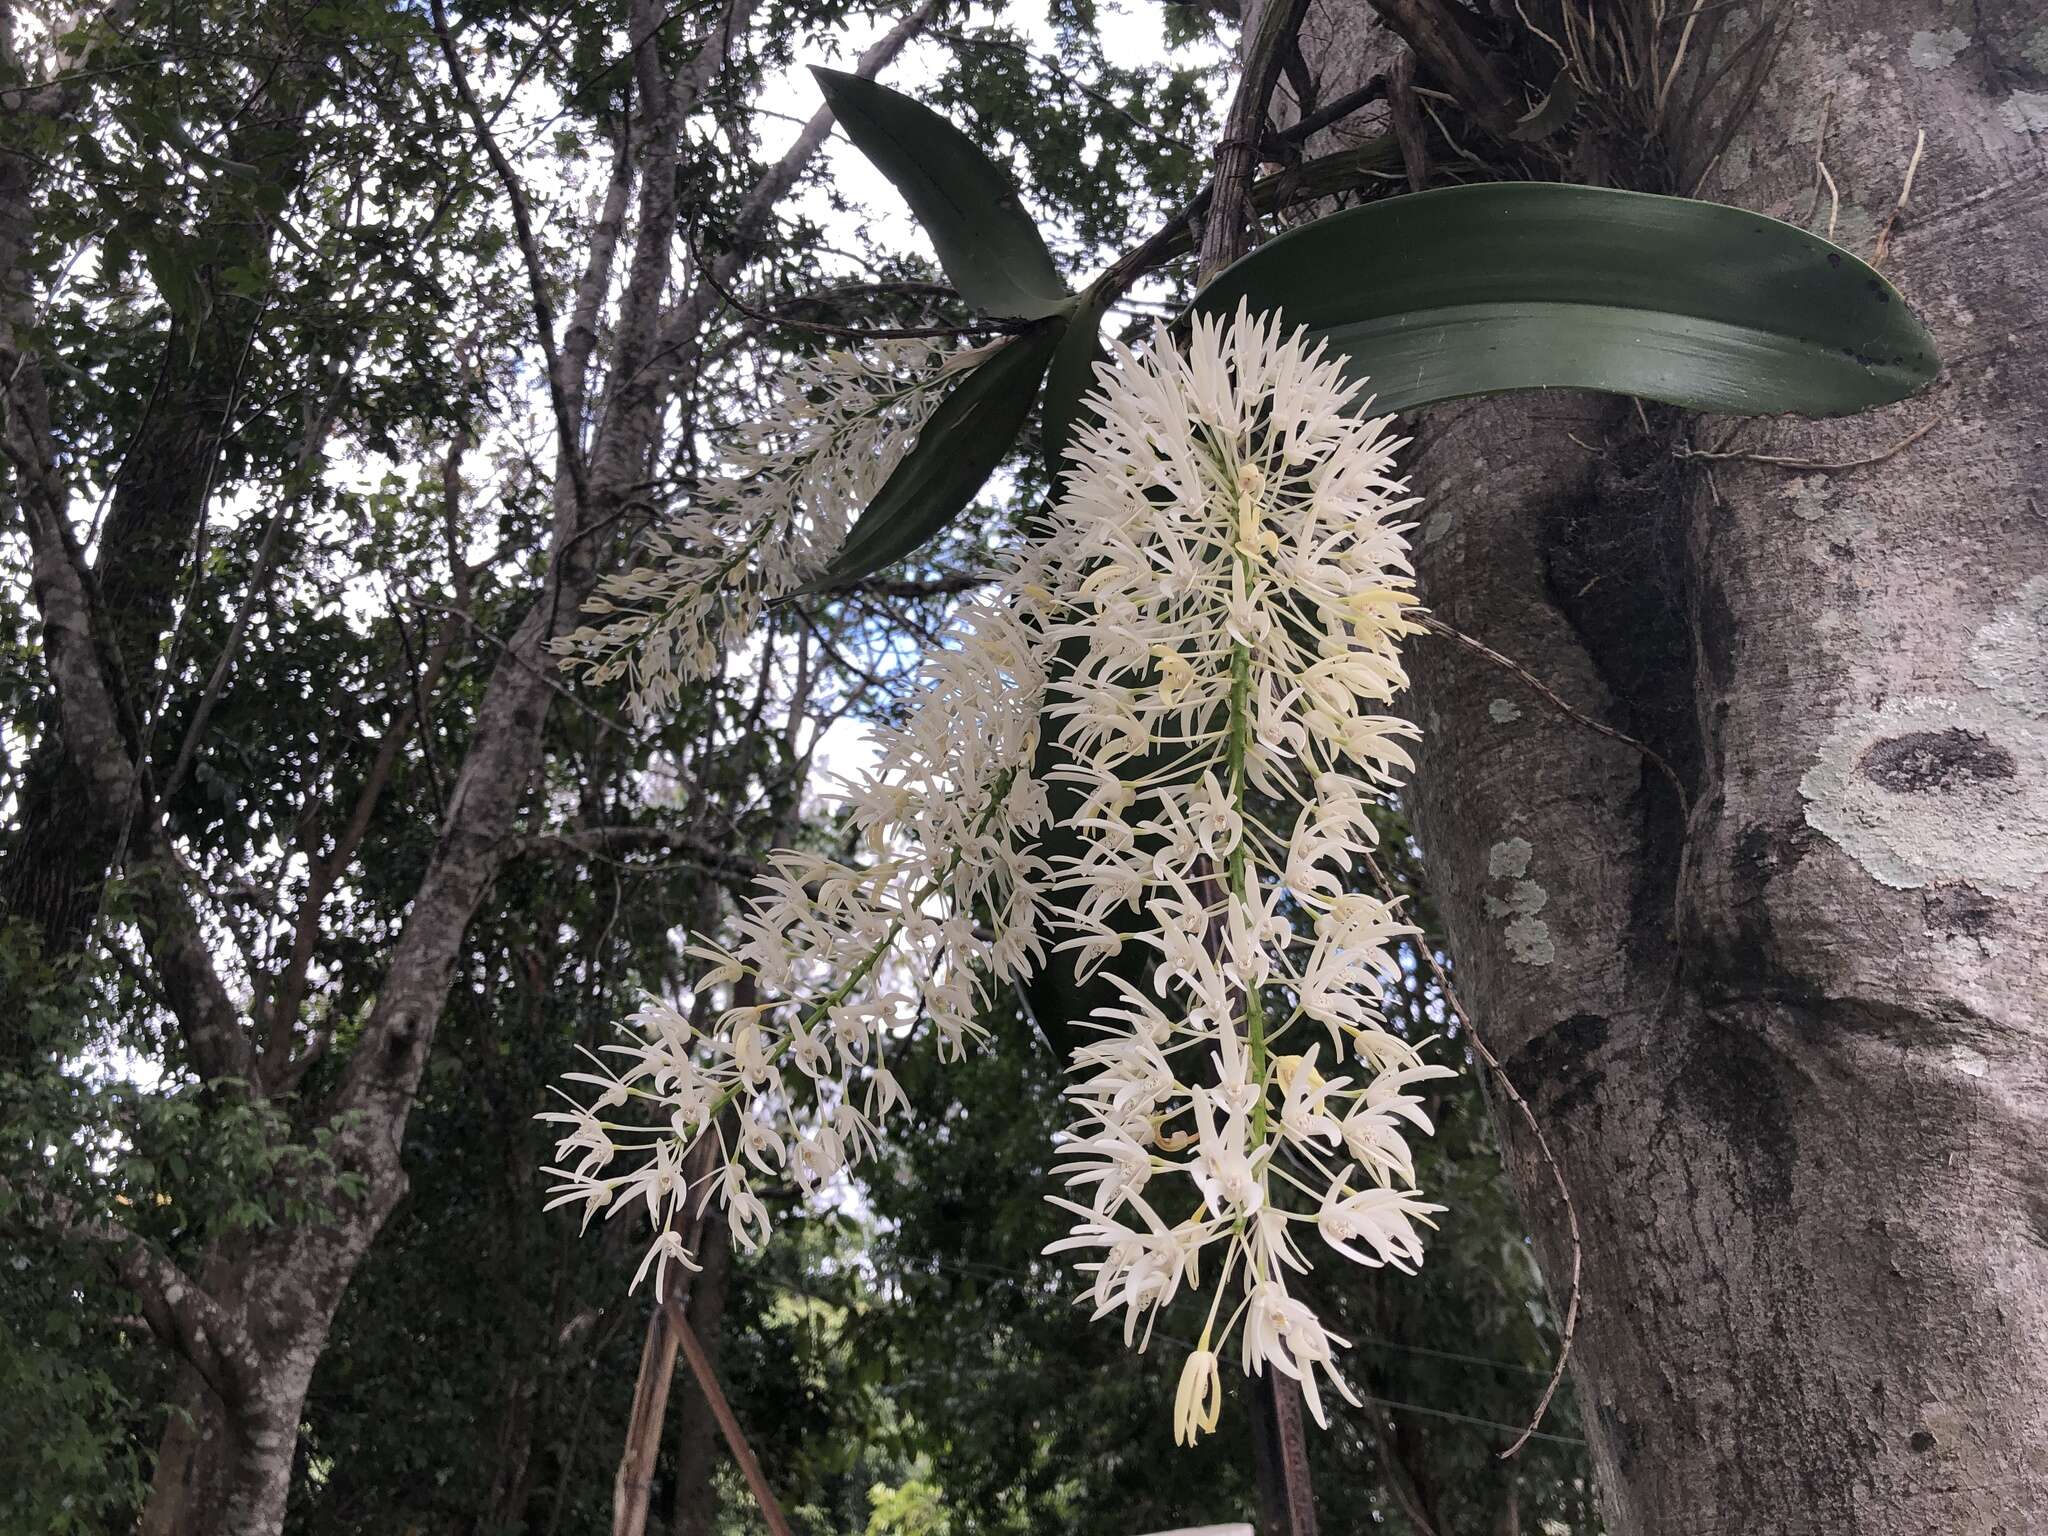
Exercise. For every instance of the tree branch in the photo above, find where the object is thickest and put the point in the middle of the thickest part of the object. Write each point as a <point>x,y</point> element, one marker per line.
<point>1244,129</point>
<point>568,429</point>
<point>608,842</point>
<point>90,727</point>
<point>682,327</point>
<point>1437,626</point>
<point>1440,41</point>
<point>507,743</point>
<point>178,1310</point>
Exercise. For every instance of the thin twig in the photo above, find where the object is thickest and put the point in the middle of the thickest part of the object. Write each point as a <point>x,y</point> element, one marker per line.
<point>1052,67</point>
<point>1571,1212</point>
<point>1677,61</point>
<point>1322,176</point>
<point>1823,466</point>
<point>1435,32</point>
<point>1334,111</point>
<point>1834,199</point>
<point>1562,52</point>
<point>851,332</point>
<point>1884,235</point>
<point>1437,626</point>
<point>529,248</point>
<point>1697,185</point>
<point>504,647</point>
<point>217,679</point>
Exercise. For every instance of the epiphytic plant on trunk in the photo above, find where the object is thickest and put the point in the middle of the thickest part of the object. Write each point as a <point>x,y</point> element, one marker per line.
<point>1141,762</point>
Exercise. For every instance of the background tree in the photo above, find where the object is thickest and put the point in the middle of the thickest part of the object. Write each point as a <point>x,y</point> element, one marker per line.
<point>289,990</point>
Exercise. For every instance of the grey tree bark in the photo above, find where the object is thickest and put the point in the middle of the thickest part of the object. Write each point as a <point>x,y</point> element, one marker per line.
<point>1789,1043</point>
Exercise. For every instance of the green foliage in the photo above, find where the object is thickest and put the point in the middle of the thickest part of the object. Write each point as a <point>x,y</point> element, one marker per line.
<point>1531,285</point>
<point>967,437</point>
<point>915,1507</point>
<point>72,1390</point>
<point>986,241</point>
<point>1080,126</point>
<point>1435,296</point>
<point>76,1386</point>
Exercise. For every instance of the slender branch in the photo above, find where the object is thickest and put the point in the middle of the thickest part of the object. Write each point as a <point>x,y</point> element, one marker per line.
<point>289,994</point>
<point>1334,111</point>
<point>1052,67</point>
<point>90,728</point>
<point>580,340</point>
<point>567,430</point>
<point>1323,176</point>
<point>681,328</point>
<point>1439,39</point>
<point>1826,466</point>
<point>1571,1212</point>
<point>1884,234</point>
<point>259,583</point>
<point>179,1312</point>
<point>1224,236</point>
<point>773,316</point>
<point>607,842</point>
<point>538,670</point>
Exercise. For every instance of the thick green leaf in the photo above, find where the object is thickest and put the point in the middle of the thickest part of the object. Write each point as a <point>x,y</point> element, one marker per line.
<point>964,441</point>
<point>1070,377</point>
<point>986,241</point>
<point>1527,285</point>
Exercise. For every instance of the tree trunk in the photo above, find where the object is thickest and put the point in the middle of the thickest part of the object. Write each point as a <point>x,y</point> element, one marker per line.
<point>1789,1043</point>
<point>68,836</point>
<point>225,1460</point>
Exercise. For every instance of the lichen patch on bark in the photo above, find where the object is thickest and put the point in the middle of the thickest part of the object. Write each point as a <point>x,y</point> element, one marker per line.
<point>1927,790</point>
<point>2009,656</point>
<point>1937,50</point>
<point>2026,111</point>
<point>1509,860</point>
<point>1527,935</point>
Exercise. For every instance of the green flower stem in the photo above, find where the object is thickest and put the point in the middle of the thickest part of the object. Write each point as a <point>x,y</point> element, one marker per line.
<point>1240,737</point>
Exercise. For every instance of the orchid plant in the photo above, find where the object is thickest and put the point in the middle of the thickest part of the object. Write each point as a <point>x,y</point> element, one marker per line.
<point>1157,734</point>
